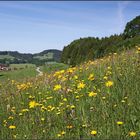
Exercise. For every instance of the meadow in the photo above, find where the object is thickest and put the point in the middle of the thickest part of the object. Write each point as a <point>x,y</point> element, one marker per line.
<point>53,66</point>
<point>18,71</point>
<point>95,100</point>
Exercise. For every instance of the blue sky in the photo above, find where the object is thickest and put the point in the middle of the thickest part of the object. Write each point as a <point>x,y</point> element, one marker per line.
<point>35,26</point>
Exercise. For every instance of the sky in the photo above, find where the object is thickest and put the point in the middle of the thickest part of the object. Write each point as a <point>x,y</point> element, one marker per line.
<point>33,26</point>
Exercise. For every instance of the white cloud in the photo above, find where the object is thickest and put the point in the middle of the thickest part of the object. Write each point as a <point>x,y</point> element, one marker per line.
<point>120,13</point>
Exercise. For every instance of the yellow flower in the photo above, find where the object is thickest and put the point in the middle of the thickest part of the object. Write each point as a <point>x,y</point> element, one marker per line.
<point>103,97</point>
<point>123,101</point>
<point>25,110</point>
<point>84,125</point>
<point>119,123</point>
<point>109,83</point>
<point>81,85</point>
<point>115,105</point>
<point>32,104</point>
<point>138,50</point>
<point>109,68</point>
<point>105,78</point>
<point>72,107</point>
<point>93,132</point>
<point>65,99</point>
<point>77,97</point>
<point>132,134</point>
<point>76,77</point>
<point>42,119</point>
<point>58,135</point>
<point>58,113</point>
<point>91,77</point>
<point>125,97</point>
<point>11,117</point>
<point>69,126</point>
<point>91,94</point>
<point>31,97</point>
<point>20,114</point>
<point>57,87</point>
<point>12,127</point>
<point>13,81</point>
<point>50,97</point>
<point>63,132</point>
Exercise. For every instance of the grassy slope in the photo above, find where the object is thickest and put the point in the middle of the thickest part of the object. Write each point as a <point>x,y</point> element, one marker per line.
<point>70,111</point>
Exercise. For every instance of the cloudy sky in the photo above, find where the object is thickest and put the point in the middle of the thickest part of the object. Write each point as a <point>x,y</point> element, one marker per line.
<point>33,26</point>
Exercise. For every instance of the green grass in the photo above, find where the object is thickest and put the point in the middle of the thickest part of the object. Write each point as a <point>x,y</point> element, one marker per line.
<point>47,56</point>
<point>22,71</point>
<point>18,74</point>
<point>18,66</point>
<point>71,103</point>
<point>6,57</point>
<point>53,66</point>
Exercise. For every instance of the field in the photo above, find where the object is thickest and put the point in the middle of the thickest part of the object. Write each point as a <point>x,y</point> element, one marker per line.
<point>95,100</point>
<point>6,57</point>
<point>18,71</point>
<point>47,56</point>
<point>53,66</point>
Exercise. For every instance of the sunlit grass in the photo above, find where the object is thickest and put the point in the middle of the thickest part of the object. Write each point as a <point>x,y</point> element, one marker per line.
<point>98,99</point>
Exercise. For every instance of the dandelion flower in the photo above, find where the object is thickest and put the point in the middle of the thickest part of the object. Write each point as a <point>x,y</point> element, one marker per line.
<point>57,87</point>
<point>63,132</point>
<point>65,99</point>
<point>72,107</point>
<point>91,77</point>
<point>42,119</point>
<point>92,94</point>
<point>80,85</point>
<point>69,126</point>
<point>12,127</point>
<point>93,132</point>
<point>103,97</point>
<point>109,83</point>
<point>58,135</point>
<point>132,134</point>
<point>32,104</point>
<point>105,78</point>
<point>120,123</point>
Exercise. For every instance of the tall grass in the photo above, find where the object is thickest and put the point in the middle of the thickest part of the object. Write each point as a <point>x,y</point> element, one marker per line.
<point>97,100</point>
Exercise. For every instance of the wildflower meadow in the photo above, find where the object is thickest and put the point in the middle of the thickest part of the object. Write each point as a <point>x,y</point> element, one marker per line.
<point>95,100</point>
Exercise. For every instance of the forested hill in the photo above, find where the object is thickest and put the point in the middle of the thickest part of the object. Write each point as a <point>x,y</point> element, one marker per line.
<point>91,48</point>
<point>10,57</point>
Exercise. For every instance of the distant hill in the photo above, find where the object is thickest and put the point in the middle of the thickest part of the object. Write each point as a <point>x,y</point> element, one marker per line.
<point>90,48</point>
<point>51,54</point>
<point>14,57</point>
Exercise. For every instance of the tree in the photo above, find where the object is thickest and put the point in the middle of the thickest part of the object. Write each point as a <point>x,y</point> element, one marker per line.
<point>132,28</point>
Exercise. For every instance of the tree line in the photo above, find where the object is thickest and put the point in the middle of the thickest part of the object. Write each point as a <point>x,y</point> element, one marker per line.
<point>91,48</point>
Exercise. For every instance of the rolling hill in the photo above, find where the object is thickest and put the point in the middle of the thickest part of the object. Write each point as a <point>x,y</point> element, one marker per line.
<point>14,57</point>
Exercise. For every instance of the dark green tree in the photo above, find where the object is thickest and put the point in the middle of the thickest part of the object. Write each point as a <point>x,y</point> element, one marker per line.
<point>132,28</point>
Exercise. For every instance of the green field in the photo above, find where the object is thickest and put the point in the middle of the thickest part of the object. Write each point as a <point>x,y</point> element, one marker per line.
<point>6,57</point>
<point>96,100</point>
<point>26,65</point>
<point>22,71</point>
<point>53,66</point>
<point>47,56</point>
